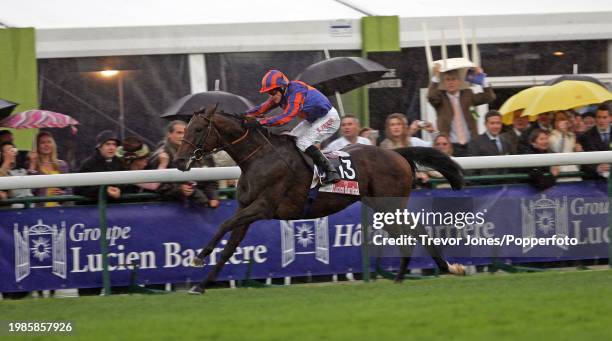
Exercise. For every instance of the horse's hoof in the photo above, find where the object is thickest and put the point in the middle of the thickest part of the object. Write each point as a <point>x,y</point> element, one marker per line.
<point>456,269</point>
<point>197,263</point>
<point>398,281</point>
<point>196,290</point>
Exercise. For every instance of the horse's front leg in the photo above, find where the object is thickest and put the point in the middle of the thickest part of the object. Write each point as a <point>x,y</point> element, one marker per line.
<point>255,211</point>
<point>236,237</point>
<point>238,224</point>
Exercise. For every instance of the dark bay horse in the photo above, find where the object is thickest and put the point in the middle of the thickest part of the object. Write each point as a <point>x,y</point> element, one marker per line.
<point>275,180</point>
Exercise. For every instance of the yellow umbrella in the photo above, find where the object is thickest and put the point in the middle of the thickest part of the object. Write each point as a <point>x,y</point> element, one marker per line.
<point>519,101</point>
<point>567,95</point>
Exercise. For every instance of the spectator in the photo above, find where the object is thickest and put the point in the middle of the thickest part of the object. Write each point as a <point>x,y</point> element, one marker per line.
<point>563,140</point>
<point>588,120</point>
<point>102,160</point>
<point>442,143</point>
<point>578,126</point>
<point>369,134</point>
<point>43,160</point>
<point>8,167</point>
<point>6,136</point>
<point>597,139</point>
<point>398,134</point>
<point>538,177</point>
<point>135,156</point>
<point>204,193</point>
<point>453,107</point>
<point>513,135</point>
<point>543,122</point>
<point>491,142</point>
<point>349,128</point>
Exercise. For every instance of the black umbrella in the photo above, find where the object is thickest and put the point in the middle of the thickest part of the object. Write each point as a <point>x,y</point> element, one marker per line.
<point>342,74</point>
<point>575,78</point>
<point>227,102</point>
<point>6,108</point>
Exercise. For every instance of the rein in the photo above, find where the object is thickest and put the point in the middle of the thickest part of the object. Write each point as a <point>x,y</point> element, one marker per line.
<point>199,146</point>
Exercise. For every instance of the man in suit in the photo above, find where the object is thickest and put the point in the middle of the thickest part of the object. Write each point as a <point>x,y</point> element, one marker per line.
<point>453,107</point>
<point>597,139</point>
<point>491,142</point>
<point>516,131</point>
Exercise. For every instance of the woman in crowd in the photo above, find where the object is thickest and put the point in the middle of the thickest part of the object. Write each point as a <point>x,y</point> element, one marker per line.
<point>443,144</point>
<point>399,134</point>
<point>43,160</point>
<point>563,140</point>
<point>539,143</point>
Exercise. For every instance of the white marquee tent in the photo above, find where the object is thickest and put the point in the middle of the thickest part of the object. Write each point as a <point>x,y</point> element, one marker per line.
<point>73,28</point>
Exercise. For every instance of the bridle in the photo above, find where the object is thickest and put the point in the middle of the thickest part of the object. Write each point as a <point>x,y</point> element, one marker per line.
<point>201,143</point>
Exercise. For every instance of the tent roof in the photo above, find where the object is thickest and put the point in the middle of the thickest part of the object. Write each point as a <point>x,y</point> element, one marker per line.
<point>77,28</point>
<point>52,14</point>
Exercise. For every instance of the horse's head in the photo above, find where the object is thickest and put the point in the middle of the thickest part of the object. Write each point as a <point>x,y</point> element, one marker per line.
<point>200,138</point>
<point>206,133</point>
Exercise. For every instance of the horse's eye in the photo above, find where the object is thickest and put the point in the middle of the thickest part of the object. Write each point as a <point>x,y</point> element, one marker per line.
<point>198,130</point>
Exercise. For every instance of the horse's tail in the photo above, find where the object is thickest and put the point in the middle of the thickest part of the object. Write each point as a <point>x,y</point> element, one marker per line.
<point>437,160</point>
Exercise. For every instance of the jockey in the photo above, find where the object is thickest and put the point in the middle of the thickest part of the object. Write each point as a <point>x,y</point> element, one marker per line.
<point>297,98</point>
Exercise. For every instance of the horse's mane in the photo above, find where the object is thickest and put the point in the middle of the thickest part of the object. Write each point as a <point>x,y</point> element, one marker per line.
<point>232,115</point>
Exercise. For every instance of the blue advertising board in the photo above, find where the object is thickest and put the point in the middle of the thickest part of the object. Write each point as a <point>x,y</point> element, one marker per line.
<point>51,248</point>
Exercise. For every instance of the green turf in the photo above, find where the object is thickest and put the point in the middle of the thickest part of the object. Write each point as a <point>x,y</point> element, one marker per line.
<point>544,306</point>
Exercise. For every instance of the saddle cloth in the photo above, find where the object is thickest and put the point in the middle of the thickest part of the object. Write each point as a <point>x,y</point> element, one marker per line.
<point>342,162</point>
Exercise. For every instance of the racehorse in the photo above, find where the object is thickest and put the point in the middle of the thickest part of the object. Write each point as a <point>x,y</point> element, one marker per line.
<point>275,180</point>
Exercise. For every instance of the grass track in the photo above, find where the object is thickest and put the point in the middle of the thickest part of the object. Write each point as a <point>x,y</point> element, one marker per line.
<point>550,305</point>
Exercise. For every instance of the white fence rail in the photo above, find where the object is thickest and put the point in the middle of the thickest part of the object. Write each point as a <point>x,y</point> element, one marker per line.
<point>222,173</point>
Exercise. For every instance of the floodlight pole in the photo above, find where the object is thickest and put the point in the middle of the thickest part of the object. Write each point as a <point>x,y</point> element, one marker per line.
<point>121,106</point>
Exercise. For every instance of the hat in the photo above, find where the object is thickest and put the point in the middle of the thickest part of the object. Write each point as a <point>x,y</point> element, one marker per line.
<point>104,136</point>
<point>133,148</point>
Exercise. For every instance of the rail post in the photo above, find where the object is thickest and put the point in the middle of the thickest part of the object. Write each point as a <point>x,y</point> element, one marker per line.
<point>103,241</point>
<point>365,254</point>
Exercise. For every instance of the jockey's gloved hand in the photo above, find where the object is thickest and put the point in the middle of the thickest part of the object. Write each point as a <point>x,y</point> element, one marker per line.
<point>251,123</point>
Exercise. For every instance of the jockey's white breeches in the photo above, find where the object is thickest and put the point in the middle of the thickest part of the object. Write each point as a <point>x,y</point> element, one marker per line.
<point>312,133</point>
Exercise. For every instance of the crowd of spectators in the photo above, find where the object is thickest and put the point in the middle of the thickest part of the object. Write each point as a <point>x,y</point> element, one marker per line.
<point>109,154</point>
<point>556,132</point>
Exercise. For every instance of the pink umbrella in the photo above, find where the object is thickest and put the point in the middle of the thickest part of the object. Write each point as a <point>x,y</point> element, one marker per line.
<point>39,119</point>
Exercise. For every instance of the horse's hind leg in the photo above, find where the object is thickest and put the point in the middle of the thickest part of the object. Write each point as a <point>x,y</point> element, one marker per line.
<point>402,269</point>
<point>236,237</point>
<point>436,253</point>
<point>397,231</point>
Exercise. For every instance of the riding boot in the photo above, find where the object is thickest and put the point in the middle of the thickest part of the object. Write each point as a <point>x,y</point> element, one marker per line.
<point>331,175</point>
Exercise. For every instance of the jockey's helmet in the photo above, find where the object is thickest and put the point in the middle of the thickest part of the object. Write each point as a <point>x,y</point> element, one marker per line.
<point>272,80</point>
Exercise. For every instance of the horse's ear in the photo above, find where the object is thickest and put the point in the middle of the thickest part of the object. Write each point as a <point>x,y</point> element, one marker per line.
<point>212,110</point>
<point>200,111</point>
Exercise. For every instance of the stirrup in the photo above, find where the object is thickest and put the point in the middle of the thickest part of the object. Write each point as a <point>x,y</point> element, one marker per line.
<point>331,177</point>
